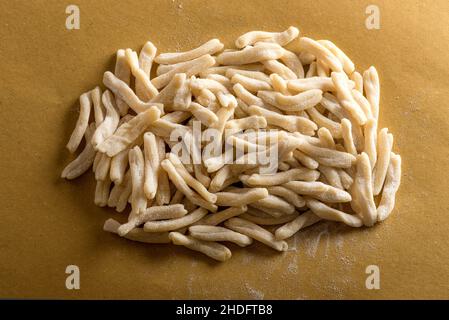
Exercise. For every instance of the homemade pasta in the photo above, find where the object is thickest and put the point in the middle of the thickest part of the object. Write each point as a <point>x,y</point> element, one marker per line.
<point>226,147</point>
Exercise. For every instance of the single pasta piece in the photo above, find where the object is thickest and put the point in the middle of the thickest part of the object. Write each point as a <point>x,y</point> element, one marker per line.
<point>348,140</point>
<point>251,122</point>
<point>358,81</point>
<point>348,65</point>
<point>370,133</point>
<point>146,58</point>
<point>346,98</point>
<point>180,184</point>
<point>279,68</point>
<point>299,102</point>
<point>203,114</point>
<point>392,182</point>
<point>332,176</point>
<point>290,123</point>
<point>218,217</point>
<point>152,214</point>
<point>362,102</point>
<point>324,122</point>
<point>291,60</point>
<point>84,160</point>
<point>363,199</point>
<point>288,195</point>
<point>174,224</point>
<point>281,38</point>
<point>148,90</point>
<point>163,191</point>
<point>250,84</point>
<point>210,47</point>
<point>305,160</point>
<point>257,75</point>
<point>190,68</point>
<point>82,123</point>
<point>97,105</point>
<point>240,197</point>
<point>246,96</point>
<point>371,86</point>
<point>384,146</point>
<point>274,206</point>
<point>102,192</point>
<point>123,72</point>
<point>103,168</point>
<point>110,122</point>
<point>325,212</point>
<point>138,198</point>
<point>282,177</point>
<point>152,164</point>
<point>319,190</point>
<point>256,232</point>
<point>302,221</point>
<point>261,218</point>
<point>326,139</point>
<point>118,189</point>
<point>124,92</point>
<point>211,249</point>
<point>213,233</point>
<point>137,234</point>
<point>265,51</point>
<point>128,132</point>
<point>321,53</point>
<point>328,157</point>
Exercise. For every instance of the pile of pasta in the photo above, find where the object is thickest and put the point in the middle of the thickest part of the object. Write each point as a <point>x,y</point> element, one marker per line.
<point>307,106</point>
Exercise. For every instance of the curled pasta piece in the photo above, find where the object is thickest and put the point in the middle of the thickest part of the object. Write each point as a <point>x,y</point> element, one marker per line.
<point>110,121</point>
<point>292,61</point>
<point>211,249</point>
<point>82,123</point>
<point>302,221</point>
<point>190,68</point>
<point>246,96</point>
<point>210,47</point>
<point>321,53</point>
<point>129,132</point>
<point>256,232</point>
<point>392,182</point>
<point>213,233</point>
<point>154,213</point>
<point>325,212</point>
<point>346,98</point>
<point>137,234</point>
<point>319,190</point>
<point>281,38</point>
<point>241,197</point>
<point>265,51</point>
<point>174,224</point>
<point>384,146</point>
<point>84,160</point>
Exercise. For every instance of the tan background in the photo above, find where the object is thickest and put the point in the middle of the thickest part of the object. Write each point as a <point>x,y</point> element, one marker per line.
<point>47,223</point>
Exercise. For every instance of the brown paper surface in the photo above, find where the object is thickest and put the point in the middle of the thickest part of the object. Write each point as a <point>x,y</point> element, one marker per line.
<point>48,223</point>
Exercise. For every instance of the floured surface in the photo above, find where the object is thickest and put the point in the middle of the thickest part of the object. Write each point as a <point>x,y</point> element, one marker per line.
<point>45,227</point>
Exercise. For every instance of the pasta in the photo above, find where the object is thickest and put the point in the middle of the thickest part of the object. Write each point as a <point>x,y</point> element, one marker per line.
<point>236,145</point>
